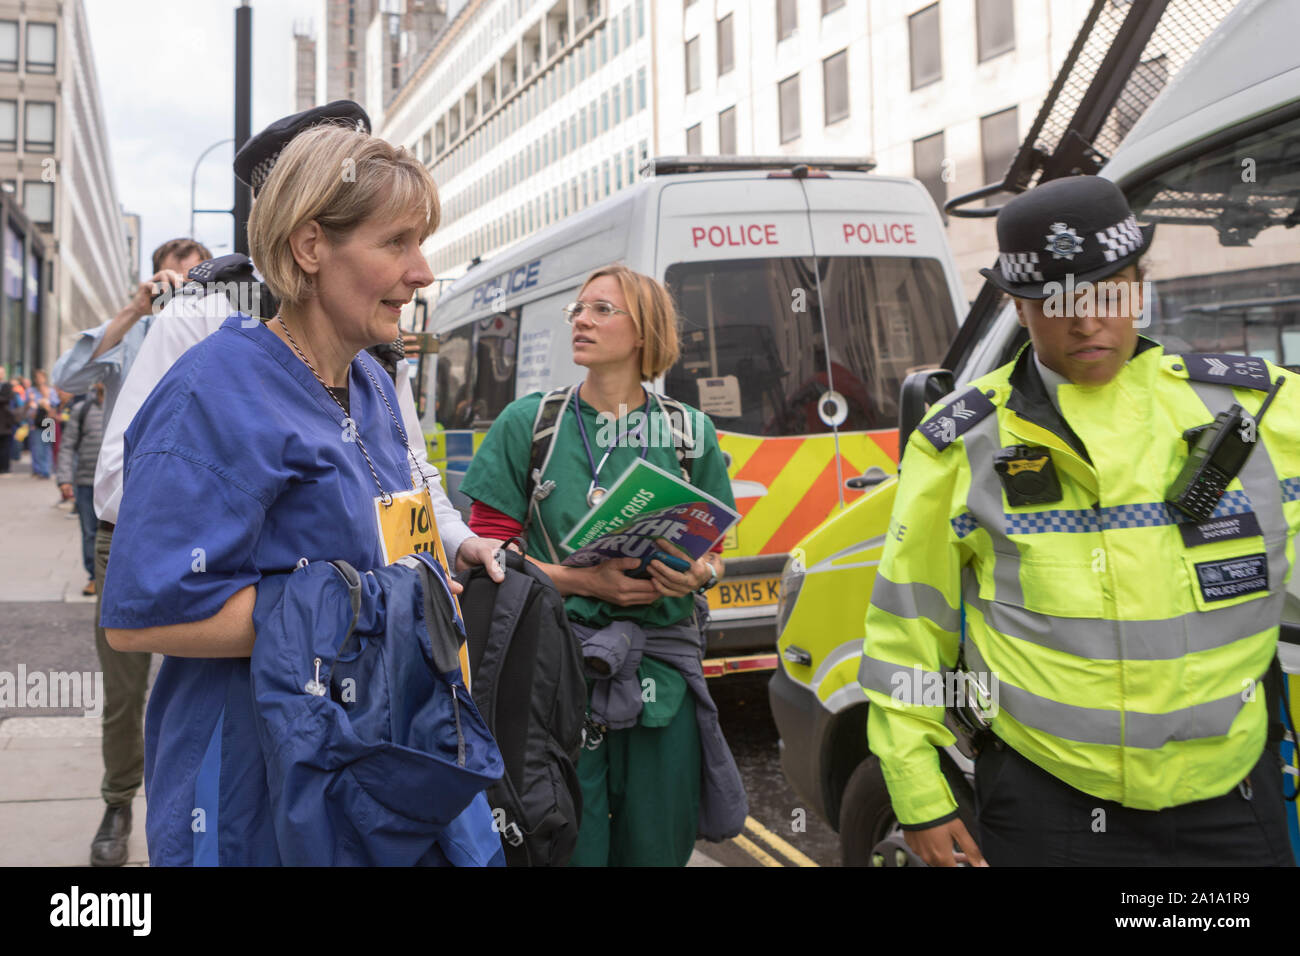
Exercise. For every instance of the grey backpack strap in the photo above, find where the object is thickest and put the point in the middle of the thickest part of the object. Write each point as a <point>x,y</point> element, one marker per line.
<point>683,432</point>
<point>547,422</point>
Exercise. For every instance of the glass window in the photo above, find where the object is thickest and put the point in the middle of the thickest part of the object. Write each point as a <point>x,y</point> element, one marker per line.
<point>640,89</point>
<point>927,166</point>
<point>604,47</point>
<point>1233,283</point>
<point>692,64</point>
<point>694,141</point>
<point>8,125</point>
<point>476,370</point>
<point>613,29</point>
<point>788,96</point>
<point>923,40</point>
<point>40,47</point>
<point>835,86</point>
<point>604,111</point>
<point>604,177</point>
<point>640,19</point>
<point>787,19</point>
<point>726,47</point>
<point>8,45</point>
<point>618,174</point>
<point>995,27</point>
<point>582,64</point>
<point>38,127</point>
<point>627,97</point>
<point>999,140</point>
<point>885,316</point>
<point>829,5</point>
<point>38,202</point>
<point>727,132</point>
<point>617,100</point>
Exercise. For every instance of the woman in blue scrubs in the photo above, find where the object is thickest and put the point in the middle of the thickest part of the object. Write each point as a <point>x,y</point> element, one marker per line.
<point>265,444</point>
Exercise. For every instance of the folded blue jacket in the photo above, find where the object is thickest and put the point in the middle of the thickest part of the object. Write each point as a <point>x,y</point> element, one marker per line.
<point>375,753</point>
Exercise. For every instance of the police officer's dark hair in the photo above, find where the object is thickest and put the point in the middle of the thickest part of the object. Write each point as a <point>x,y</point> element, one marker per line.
<point>181,248</point>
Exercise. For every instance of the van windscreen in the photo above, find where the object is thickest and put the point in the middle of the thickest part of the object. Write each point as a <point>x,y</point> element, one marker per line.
<point>754,356</point>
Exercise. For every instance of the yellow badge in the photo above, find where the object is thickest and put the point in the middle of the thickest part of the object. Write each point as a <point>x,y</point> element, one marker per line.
<point>407,526</point>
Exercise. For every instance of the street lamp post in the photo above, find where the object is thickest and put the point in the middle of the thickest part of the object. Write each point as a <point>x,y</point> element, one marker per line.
<point>194,180</point>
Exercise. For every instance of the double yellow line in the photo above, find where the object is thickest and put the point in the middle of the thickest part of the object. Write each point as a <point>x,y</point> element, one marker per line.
<point>771,839</point>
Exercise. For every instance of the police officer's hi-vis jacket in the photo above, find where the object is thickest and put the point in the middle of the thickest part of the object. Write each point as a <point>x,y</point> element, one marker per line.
<point>1125,644</point>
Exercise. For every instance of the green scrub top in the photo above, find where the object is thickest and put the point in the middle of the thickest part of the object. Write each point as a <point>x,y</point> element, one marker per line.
<point>497,477</point>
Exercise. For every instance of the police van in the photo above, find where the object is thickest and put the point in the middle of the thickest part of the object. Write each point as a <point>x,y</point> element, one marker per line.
<point>807,288</point>
<point>1212,162</point>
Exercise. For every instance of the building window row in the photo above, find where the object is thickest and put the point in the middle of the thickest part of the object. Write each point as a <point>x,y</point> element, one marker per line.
<point>999,140</point>
<point>835,97</point>
<point>38,126</point>
<point>41,46</point>
<point>566,69</point>
<point>622,101</point>
<point>995,34</point>
<point>584,189</point>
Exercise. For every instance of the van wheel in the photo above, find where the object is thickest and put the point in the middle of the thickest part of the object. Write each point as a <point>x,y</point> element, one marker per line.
<point>867,817</point>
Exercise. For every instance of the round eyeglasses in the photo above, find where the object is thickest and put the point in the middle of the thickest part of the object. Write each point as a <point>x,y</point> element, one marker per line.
<point>597,312</point>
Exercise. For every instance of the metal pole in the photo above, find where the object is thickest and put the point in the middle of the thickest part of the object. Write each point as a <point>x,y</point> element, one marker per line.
<point>194,179</point>
<point>243,115</point>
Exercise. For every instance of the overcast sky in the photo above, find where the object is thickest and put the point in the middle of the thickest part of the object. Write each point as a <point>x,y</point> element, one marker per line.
<point>172,96</point>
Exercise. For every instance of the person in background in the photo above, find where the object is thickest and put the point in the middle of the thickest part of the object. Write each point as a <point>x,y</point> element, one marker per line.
<point>105,355</point>
<point>663,773</point>
<point>8,424</point>
<point>76,475</point>
<point>42,415</point>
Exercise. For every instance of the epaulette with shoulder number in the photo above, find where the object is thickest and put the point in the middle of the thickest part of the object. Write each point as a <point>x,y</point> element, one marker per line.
<point>1240,371</point>
<point>956,418</point>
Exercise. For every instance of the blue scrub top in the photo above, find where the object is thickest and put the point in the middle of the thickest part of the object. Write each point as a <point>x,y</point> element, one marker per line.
<point>237,465</point>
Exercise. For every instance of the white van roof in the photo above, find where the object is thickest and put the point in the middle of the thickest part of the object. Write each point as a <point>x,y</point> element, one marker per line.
<point>599,234</point>
<point>1248,66</point>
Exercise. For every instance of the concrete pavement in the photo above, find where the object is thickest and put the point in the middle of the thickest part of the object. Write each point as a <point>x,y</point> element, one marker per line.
<point>50,766</point>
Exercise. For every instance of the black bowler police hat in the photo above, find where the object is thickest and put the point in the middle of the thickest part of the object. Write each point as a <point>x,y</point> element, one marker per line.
<point>254,162</point>
<point>1076,225</point>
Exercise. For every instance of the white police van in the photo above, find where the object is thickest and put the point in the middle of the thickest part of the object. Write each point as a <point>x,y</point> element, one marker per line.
<point>799,366</point>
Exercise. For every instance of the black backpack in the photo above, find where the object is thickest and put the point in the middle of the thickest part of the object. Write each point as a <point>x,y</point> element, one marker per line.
<point>528,684</point>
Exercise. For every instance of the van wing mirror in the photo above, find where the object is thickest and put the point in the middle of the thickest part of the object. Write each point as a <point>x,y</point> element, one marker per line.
<point>920,390</point>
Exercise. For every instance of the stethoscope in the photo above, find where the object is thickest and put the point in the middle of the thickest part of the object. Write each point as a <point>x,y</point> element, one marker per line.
<point>595,493</point>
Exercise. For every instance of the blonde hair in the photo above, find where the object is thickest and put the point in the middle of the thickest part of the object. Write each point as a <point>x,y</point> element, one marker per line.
<point>338,177</point>
<point>653,314</point>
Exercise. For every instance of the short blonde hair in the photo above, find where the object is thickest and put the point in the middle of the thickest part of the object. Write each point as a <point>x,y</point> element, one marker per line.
<point>653,314</point>
<point>339,177</point>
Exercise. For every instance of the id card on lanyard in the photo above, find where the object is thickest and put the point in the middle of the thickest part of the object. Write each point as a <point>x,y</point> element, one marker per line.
<point>407,525</point>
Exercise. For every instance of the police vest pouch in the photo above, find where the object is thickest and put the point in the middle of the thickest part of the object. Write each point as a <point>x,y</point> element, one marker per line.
<point>1028,475</point>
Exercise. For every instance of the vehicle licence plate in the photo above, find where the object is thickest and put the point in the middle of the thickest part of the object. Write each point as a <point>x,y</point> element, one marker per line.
<point>745,592</point>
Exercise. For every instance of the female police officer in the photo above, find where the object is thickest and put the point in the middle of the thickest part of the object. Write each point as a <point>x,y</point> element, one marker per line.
<point>641,785</point>
<point>1117,640</point>
<point>263,445</point>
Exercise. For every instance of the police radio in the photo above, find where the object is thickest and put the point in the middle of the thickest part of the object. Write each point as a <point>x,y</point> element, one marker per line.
<point>1218,452</point>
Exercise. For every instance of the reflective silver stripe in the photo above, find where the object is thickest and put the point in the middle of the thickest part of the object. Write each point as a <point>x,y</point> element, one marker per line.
<point>884,677</point>
<point>915,601</point>
<point>1092,725</point>
<point>1211,719</point>
<point>984,502</point>
<point>1151,640</point>
<point>1089,725</point>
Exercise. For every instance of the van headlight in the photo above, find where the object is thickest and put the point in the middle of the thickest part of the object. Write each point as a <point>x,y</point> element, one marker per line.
<point>792,576</point>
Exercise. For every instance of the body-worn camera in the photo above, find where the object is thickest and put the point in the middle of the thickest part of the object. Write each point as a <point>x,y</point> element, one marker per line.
<point>1028,475</point>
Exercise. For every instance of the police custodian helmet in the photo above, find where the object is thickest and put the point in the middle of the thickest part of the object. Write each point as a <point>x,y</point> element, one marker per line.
<point>1076,225</point>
